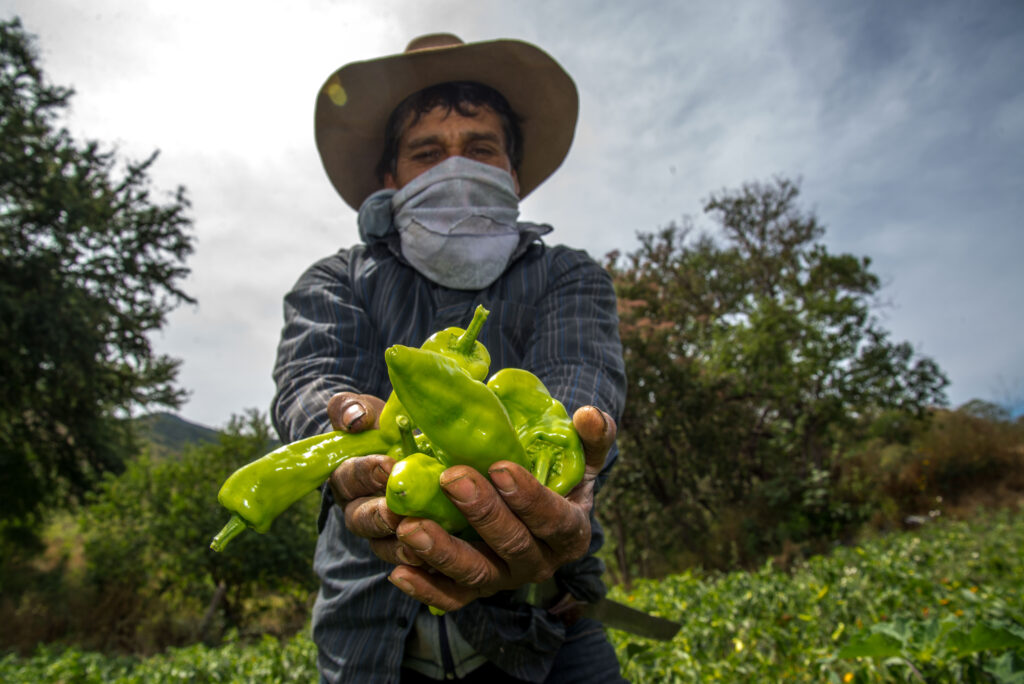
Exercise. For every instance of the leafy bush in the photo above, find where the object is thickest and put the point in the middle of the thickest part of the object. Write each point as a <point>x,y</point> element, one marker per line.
<point>150,579</point>
<point>268,660</point>
<point>945,604</point>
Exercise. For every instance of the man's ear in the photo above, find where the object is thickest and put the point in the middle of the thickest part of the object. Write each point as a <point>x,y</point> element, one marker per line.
<point>515,179</point>
<point>390,184</point>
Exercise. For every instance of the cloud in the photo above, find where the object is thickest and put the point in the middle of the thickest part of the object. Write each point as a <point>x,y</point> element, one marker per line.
<point>904,121</point>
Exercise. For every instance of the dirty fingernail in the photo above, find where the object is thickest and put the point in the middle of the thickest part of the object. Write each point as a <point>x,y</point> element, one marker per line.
<point>402,584</point>
<point>462,489</point>
<point>382,522</point>
<point>407,557</point>
<point>503,480</point>
<point>351,415</point>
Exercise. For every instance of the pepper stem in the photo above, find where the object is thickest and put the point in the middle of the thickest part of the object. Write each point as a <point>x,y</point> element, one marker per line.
<point>542,464</point>
<point>408,441</point>
<point>464,343</point>
<point>234,527</point>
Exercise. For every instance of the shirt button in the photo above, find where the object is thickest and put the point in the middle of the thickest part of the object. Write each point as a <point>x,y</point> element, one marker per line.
<point>403,622</point>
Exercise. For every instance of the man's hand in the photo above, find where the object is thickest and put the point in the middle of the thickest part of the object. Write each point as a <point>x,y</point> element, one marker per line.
<point>527,530</point>
<point>358,484</point>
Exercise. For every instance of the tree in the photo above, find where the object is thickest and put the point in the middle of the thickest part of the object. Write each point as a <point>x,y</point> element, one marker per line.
<point>752,360</point>
<point>90,264</point>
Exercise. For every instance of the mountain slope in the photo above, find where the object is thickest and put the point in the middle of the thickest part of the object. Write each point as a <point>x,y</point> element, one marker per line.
<point>170,434</point>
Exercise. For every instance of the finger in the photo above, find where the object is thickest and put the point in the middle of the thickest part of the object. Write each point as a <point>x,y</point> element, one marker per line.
<point>351,412</point>
<point>464,563</point>
<point>361,476</point>
<point>597,433</point>
<point>390,550</point>
<point>546,515</point>
<point>370,517</point>
<point>431,588</point>
<point>487,512</point>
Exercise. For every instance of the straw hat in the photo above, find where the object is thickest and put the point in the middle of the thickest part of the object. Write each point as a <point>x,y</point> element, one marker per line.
<point>353,106</point>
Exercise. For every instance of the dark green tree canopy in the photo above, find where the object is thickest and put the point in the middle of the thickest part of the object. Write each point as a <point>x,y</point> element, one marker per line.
<point>753,358</point>
<point>90,264</point>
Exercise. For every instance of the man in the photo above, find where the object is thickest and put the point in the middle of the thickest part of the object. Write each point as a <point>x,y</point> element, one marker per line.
<point>435,147</point>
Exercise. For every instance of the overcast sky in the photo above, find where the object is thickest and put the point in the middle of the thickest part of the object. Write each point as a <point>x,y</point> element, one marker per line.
<point>904,121</point>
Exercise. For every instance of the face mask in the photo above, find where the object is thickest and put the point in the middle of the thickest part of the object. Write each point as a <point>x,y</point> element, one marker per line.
<point>457,223</point>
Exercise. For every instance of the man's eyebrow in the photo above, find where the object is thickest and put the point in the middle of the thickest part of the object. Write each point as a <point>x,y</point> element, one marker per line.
<point>473,136</point>
<point>423,141</point>
<point>468,136</point>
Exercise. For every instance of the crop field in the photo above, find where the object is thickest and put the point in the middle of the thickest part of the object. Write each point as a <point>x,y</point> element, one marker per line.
<point>943,604</point>
<point>940,605</point>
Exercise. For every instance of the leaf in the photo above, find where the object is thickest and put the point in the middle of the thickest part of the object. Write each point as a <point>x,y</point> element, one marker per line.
<point>1007,668</point>
<point>874,645</point>
<point>633,649</point>
<point>986,637</point>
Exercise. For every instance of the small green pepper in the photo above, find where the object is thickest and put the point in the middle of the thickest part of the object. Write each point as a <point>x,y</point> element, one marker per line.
<point>463,346</point>
<point>414,489</point>
<point>261,490</point>
<point>414,486</point>
<point>458,414</point>
<point>544,428</point>
<point>456,343</point>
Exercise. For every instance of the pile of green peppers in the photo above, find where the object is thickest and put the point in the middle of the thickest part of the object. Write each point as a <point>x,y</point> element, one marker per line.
<point>440,413</point>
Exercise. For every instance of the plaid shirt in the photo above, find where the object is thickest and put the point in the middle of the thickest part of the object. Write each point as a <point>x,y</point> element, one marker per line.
<point>552,312</point>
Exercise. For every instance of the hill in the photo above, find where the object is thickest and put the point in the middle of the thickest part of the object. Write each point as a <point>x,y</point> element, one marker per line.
<point>169,434</point>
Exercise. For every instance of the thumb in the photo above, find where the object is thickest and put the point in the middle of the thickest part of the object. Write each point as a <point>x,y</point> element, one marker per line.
<point>351,412</point>
<point>597,433</point>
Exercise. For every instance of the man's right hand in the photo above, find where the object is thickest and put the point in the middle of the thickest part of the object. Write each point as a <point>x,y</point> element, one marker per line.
<point>359,484</point>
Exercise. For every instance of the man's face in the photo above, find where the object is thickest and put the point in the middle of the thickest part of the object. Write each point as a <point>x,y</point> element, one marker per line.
<point>440,134</point>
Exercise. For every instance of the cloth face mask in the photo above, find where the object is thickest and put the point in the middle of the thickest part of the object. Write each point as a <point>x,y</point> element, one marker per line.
<point>457,223</point>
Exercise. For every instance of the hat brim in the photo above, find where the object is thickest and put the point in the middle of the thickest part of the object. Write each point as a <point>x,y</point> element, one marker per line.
<point>354,104</point>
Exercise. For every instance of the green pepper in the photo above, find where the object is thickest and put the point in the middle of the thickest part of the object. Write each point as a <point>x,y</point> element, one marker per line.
<point>260,491</point>
<point>544,428</point>
<point>414,488</point>
<point>456,343</point>
<point>458,414</point>
<point>463,346</point>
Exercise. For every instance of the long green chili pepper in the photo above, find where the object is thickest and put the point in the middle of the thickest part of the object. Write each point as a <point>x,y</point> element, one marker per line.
<point>544,428</point>
<point>453,342</point>
<point>260,491</point>
<point>458,414</point>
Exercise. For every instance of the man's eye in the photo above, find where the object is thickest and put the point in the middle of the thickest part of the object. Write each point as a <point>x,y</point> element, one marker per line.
<point>425,156</point>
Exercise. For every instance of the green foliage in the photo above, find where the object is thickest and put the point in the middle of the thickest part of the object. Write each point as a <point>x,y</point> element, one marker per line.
<point>942,605</point>
<point>956,458</point>
<point>147,533</point>
<point>268,660</point>
<point>89,266</point>
<point>751,361</point>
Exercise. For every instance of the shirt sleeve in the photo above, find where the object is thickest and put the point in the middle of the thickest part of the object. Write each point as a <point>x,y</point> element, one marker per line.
<point>328,345</point>
<point>577,353</point>
<point>575,349</point>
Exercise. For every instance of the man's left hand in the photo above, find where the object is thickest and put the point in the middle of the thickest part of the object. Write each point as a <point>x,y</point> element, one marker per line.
<point>527,530</point>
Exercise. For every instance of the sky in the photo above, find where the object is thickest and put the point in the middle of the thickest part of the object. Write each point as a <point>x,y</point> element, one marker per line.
<point>903,122</point>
